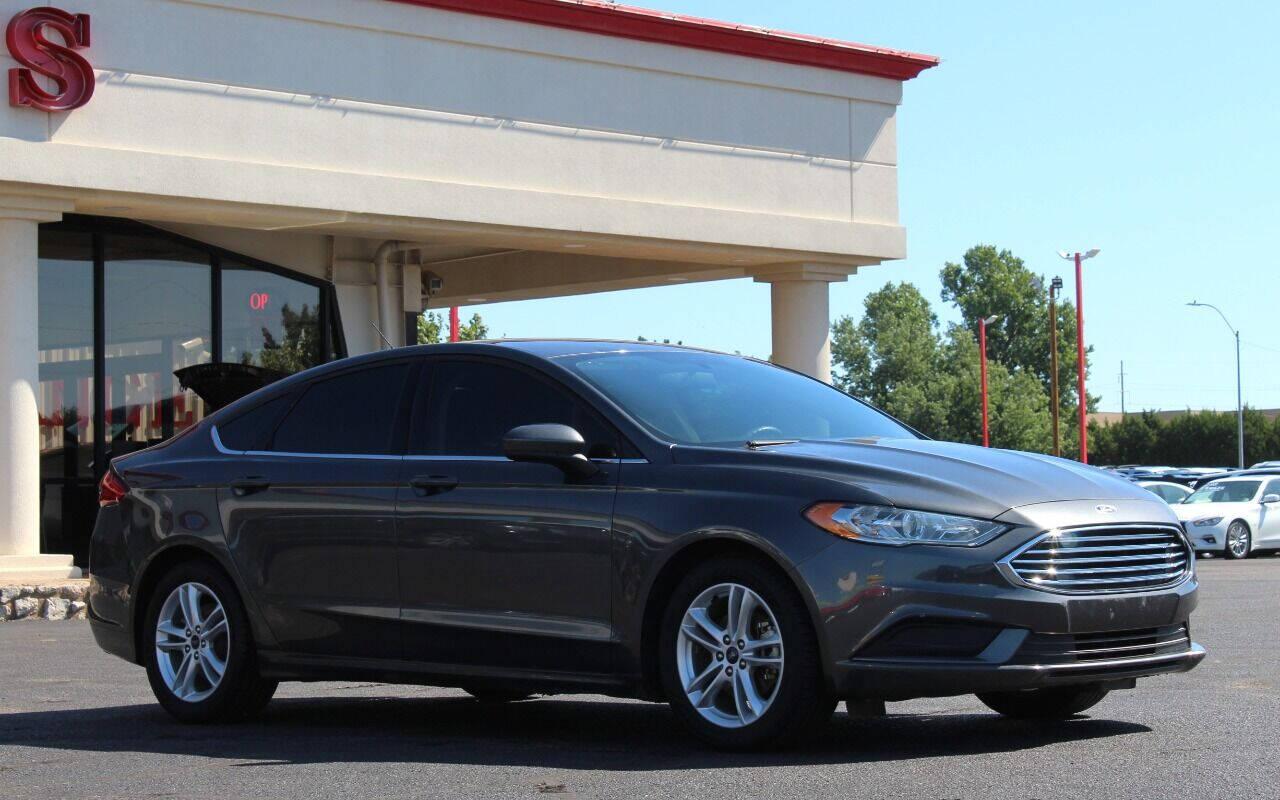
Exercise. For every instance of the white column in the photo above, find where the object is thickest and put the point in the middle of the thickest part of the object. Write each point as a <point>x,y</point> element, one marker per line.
<point>801,313</point>
<point>20,557</point>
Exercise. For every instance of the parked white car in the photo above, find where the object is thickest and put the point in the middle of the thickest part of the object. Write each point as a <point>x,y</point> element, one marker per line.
<point>1235,516</point>
<point>1169,492</point>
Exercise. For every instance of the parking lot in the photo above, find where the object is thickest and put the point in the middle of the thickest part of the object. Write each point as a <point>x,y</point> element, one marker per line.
<point>75,722</point>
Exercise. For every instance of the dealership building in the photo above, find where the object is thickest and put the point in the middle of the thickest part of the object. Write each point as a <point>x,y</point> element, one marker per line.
<point>278,183</point>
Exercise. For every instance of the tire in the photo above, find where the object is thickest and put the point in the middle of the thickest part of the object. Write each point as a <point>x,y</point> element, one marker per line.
<point>485,695</point>
<point>783,670</point>
<point>194,695</point>
<point>1246,541</point>
<point>1044,704</point>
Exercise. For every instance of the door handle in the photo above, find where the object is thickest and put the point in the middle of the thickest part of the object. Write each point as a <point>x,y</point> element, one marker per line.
<point>249,485</point>
<point>433,484</point>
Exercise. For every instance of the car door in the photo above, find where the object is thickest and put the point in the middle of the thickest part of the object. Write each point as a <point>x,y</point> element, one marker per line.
<point>309,513</point>
<point>1269,521</point>
<point>503,565</point>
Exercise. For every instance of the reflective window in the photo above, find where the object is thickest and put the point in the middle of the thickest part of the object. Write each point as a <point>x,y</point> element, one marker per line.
<point>690,397</point>
<point>1225,492</point>
<point>252,430</point>
<point>269,320</point>
<point>158,319</point>
<point>473,404</point>
<point>65,400</point>
<point>352,413</point>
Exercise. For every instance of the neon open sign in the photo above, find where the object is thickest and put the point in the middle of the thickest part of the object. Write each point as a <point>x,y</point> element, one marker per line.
<point>258,301</point>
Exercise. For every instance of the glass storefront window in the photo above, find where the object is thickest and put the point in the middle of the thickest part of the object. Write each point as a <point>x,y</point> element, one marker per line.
<point>158,315</point>
<point>269,320</point>
<point>152,295</point>
<point>65,399</point>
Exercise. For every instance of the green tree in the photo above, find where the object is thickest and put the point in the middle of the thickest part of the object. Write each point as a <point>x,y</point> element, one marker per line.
<point>433,328</point>
<point>301,346</point>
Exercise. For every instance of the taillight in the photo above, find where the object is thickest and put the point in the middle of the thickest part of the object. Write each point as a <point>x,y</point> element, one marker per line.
<point>111,488</point>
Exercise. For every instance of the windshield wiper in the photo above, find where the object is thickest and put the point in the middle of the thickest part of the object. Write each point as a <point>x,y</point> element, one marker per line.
<point>756,444</point>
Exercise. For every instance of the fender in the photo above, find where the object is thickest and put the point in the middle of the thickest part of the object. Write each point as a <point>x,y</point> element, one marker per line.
<point>30,46</point>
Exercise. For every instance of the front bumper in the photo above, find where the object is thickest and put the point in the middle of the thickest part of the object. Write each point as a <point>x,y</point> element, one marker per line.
<point>909,678</point>
<point>898,623</point>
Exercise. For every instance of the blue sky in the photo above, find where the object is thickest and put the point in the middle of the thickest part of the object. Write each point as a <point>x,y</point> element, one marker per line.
<point>1147,129</point>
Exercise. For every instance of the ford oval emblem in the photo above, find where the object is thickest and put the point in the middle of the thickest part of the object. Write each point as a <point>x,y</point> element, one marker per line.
<point>1105,509</point>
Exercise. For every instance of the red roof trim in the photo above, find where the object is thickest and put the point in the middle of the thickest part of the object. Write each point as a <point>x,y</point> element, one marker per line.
<point>611,19</point>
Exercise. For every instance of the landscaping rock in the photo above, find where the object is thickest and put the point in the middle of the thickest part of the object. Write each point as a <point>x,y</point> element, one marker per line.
<point>25,608</point>
<point>74,591</point>
<point>55,608</point>
<point>78,610</point>
<point>9,593</point>
<point>46,591</point>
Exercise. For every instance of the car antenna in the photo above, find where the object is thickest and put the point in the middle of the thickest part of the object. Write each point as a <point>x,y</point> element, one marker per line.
<point>389,345</point>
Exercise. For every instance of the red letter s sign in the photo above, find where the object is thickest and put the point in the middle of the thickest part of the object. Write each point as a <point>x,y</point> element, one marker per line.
<point>71,74</point>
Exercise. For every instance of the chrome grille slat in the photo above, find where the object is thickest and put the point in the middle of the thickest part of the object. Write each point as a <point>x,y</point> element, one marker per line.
<point>1139,568</point>
<point>1092,559</point>
<point>1102,559</point>
<point>1091,581</point>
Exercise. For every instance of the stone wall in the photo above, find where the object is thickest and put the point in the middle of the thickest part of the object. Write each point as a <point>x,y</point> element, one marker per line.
<point>64,600</point>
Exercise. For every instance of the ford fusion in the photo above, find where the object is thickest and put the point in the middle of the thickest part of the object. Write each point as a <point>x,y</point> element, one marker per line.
<point>740,541</point>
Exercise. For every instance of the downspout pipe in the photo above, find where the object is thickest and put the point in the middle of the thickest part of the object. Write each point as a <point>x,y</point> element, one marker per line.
<point>387,302</point>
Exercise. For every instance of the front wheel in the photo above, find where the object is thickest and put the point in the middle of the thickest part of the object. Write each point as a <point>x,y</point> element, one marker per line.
<point>1239,540</point>
<point>1044,704</point>
<point>739,659</point>
<point>199,651</point>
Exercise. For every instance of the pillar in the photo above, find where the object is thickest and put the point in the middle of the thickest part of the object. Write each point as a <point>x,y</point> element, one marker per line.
<point>20,557</point>
<point>801,315</point>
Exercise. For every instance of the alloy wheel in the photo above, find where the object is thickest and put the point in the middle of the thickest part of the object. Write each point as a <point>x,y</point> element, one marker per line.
<point>193,642</point>
<point>1238,540</point>
<point>729,655</point>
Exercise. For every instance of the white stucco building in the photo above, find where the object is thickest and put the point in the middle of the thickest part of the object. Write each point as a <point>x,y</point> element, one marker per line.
<point>264,181</point>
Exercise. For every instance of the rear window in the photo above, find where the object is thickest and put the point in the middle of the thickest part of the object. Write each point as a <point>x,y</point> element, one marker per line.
<point>354,413</point>
<point>252,429</point>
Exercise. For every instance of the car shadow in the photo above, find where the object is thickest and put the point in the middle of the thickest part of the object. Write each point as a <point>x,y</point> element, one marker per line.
<point>550,733</point>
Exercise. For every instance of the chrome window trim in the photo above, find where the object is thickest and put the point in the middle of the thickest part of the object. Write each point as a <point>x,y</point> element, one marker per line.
<point>223,449</point>
<point>1005,564</point>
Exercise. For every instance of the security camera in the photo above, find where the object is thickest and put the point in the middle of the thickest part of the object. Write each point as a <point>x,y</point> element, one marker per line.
<point>432,284</point>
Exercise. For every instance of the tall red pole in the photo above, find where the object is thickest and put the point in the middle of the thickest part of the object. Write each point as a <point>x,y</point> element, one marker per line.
<point>453,323</point>
<point>982,360</point>
<point>1080,365</point>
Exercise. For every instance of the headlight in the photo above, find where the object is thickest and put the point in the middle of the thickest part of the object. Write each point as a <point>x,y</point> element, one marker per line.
<point>1207,521</point>
<point>899,526</point>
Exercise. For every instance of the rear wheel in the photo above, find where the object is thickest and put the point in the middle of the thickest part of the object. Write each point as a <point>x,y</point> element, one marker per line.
<point>1239,540</point>
<point>198,648</point>
<point>1046,704</point>
<point>739,659</point>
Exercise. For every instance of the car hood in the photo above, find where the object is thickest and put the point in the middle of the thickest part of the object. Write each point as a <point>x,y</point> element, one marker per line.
<point>943,476</point>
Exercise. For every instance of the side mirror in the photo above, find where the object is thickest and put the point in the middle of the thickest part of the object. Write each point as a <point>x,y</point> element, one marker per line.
<point>1270,498</point>
<point>550,443</point>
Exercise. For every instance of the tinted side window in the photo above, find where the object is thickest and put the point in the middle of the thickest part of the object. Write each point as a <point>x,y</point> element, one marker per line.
<point>353,413</point>
<point>473,404</point>
<point>252,429</point>
<point>1272,488</point>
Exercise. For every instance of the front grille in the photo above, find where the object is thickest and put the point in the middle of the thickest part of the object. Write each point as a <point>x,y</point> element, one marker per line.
<point>1098,560</point>
<point>1076,648</point>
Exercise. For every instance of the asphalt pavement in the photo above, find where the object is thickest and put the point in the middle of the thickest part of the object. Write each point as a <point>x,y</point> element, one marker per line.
<point>75,722</point>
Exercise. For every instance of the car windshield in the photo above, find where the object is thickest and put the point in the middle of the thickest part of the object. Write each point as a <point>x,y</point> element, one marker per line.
<point>1225,492</point>
<point>715,400</point>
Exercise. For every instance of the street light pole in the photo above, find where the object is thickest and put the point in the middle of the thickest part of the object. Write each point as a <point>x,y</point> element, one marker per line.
<point>1239,384</point>
<point>982,361</point>
<point>1083,400</point>
<point>1055,286</point>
